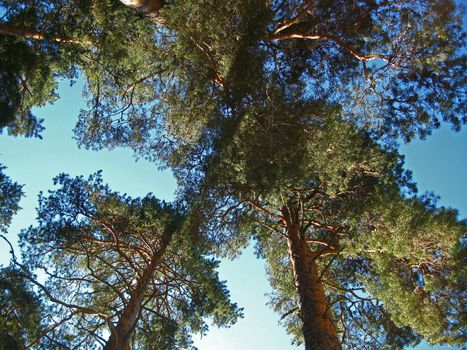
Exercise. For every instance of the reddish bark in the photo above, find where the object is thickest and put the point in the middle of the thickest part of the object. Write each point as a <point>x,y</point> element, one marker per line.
<point>123,330</point>
<point>319,331</point>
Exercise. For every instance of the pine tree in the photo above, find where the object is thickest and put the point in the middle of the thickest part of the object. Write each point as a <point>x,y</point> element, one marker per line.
<point>355,258</point>
<point>271,109</point>
<point>120,271</point>
<point>360,55</point>
<point>396,67</point>
<point>10,195</point>
<point>20,310</point>
<point>43,42</point>
<point>19,306</point>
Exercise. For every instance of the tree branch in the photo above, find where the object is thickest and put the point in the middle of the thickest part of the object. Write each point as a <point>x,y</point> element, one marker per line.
<point>33,35</point>
<point>256,205</point>
<point>293,20</point>
<point>289,312</point>
<point>329,37</point>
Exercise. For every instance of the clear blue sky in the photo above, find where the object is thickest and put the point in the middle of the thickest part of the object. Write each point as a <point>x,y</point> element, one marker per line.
<point>439,164</point>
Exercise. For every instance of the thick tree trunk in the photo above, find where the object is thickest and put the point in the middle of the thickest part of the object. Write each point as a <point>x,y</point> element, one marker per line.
<point>318,328</point>
<point>123,330</point>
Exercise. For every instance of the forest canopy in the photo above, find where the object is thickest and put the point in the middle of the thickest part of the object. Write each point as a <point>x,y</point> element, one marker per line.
<point>281,121</point>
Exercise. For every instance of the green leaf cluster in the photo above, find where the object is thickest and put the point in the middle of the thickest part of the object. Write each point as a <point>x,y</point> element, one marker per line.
<point>94,244</point>
<point>259,108</point>
<point>10,195</point>
<point>20,311</point>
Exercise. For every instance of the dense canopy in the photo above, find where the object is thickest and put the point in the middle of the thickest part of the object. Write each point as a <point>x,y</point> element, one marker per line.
<point>281,122</point>
<point>10,195</point>
<point>345,236</point>
<point>121,267</point>
<point>395,66</point>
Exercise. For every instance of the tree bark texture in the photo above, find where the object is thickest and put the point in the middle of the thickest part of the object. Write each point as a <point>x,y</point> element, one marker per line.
<point>319,331</point>
<point>123,330</point>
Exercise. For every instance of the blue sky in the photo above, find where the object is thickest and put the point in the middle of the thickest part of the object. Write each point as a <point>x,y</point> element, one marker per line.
<point>439,164</point>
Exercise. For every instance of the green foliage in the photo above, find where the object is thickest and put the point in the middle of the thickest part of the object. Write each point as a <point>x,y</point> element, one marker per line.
<point>417,269</point>
<point>257,106</point>
<point>167,108</point>
<point>396,69</point>
<point>44,41</point>
<point>383,60</point>
<point>375,59</point>
<point>20,311</point>
<point>394,276</point>
<point>31,65</point>
<point>10,195</point>
<point>95,246</point>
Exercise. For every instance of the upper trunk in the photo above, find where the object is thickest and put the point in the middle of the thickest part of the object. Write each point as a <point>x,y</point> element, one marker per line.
<point>122,332</point>
<point>319,331</point>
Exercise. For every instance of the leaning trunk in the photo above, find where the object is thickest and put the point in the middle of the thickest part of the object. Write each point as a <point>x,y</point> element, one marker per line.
<point>123,330</point>
<point>319,331</point>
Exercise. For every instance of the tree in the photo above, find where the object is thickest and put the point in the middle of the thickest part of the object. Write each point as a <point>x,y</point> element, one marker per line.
<point>396,66</point>
<point>359,55</point>
<point>184,90</point>
<point>120,271</point>
<point>19,307</point>
<point>20,310</point>
<point>355,258</point>
<point>32,62</point>
<point>43,42</point>
<point>10,195</point>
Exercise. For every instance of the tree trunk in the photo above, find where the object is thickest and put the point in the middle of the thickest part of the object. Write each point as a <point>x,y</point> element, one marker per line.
<point>34,35</point>
<point>123,330</point>
<point>319,331</point>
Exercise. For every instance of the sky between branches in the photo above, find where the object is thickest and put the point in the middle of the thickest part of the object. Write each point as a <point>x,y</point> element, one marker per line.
<point>439,164</point>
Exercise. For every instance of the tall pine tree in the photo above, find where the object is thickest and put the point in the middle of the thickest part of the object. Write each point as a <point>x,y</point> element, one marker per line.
<point>248,86</point>
<point>20,308</point>
<point>355,257</point>
<point>120,272</point>
<point>396,67</point>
